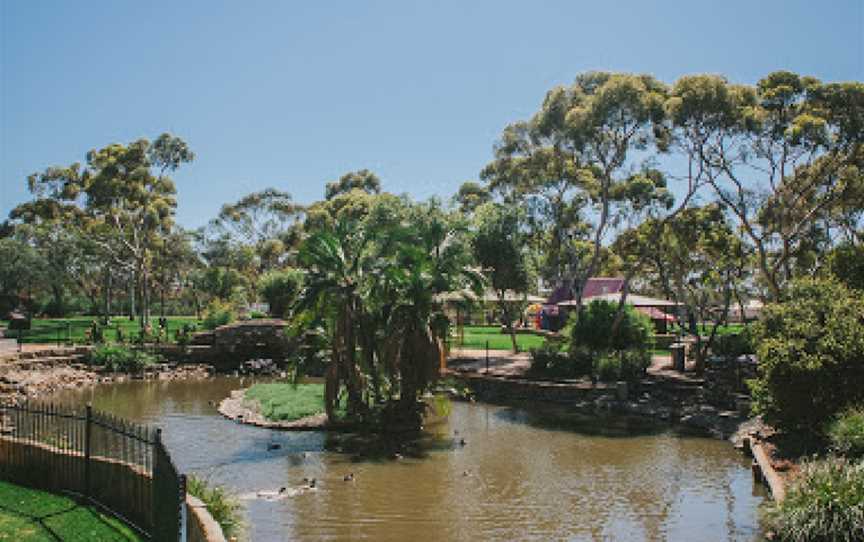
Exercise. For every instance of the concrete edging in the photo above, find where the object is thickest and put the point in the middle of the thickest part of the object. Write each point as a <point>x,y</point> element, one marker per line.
<point>767,471</point>
<point>200,525</point>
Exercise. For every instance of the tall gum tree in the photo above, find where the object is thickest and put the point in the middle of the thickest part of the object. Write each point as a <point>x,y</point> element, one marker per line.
<point>578,156</point>
<point>123,199</point>
<point>784,157</point>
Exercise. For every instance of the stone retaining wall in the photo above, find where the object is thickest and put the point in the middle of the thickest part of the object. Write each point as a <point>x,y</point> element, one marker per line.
<point>200,525</point>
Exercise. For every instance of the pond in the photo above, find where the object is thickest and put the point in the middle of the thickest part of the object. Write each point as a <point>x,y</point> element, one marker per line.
<point>522,474</point>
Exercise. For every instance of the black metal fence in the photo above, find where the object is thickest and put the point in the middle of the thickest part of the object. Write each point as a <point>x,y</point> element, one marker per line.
<point>120,466</point>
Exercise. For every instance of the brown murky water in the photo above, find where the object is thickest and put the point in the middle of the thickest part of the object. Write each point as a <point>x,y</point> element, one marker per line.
<point>521,475</point>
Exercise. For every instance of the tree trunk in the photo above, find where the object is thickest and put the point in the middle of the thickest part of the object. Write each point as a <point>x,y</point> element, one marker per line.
<point>133,288</point>
<point>57,295</point>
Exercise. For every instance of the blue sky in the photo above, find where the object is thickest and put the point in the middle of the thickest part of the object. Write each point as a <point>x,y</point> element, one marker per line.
<point>293,94</point>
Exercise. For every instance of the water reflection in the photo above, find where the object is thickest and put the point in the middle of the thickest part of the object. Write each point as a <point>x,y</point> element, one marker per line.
<point>521,475</point>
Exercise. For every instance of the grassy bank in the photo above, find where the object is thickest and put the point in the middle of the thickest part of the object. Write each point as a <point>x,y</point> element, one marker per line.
<point>28,515</point>
<point>287,402</point>
<point>52,330</point>
<point>476,337</point>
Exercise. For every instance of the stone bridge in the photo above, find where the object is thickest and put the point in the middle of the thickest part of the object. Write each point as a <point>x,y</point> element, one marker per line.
<point>228,347</point>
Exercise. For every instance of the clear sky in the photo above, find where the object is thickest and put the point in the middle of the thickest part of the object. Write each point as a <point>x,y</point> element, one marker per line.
<point>292,94</point>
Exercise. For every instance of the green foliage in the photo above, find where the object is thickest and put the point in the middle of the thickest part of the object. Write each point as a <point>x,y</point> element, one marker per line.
<point>498,247</point>
<point>218,313</point>
<point>117,358</point>
<point>223,507</point>
<point>846,432</point>
<point>280,289</point>
<point>824,503</point>
<point>811,355</point>
<point>363,180</point>
<point>551,360</point>
<point>287,402</point>
<point>846,264</point>
<point>733,345</point>
<point>592,328</point>
<point>630,365</point>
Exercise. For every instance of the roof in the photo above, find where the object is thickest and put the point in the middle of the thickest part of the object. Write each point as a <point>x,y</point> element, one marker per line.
<point>488,296</point>
<point>655,314</point>
<point>595,286</point>
<point>602,285</point>
<point>632,299</point>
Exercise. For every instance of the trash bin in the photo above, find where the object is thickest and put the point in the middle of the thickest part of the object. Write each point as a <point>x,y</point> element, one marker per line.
<point>678,355</point>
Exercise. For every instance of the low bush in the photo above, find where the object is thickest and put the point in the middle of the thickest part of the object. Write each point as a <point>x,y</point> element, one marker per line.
<point>811,356</point>
<point>627,365</point>
<point>824,503</point>
<point>592,328</point>
<point>121,359</point>
<point>224,507</point>
<point>279,289</point>
<point>846,432</point>
<point>218,313</point>
<point>551,359</point>
<point>734,345</point>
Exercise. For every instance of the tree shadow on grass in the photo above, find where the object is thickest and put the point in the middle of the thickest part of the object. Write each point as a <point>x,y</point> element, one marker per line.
<point>42,521</point>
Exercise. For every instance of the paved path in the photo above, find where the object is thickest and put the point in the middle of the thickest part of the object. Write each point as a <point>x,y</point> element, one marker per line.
<point>506,363</point>
<point>501,362</point>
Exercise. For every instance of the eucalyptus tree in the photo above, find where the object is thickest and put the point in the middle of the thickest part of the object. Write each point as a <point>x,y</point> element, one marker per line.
<point>261,220</point>
<point>498,246</point>
<point>576,161</point>
<point>784,157</point>
<point>123,199</point>
<point>362,179</point>
<point>696,259</point>
<point>471,195</point>
<point>21,269</point>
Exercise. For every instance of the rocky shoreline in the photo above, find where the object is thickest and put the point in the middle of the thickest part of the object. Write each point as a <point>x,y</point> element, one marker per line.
<point>237,408</point>
<point>37,380</point>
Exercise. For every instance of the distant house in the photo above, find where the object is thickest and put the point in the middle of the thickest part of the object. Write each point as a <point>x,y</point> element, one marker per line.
<point>610,289</point>
<point>752,311</point>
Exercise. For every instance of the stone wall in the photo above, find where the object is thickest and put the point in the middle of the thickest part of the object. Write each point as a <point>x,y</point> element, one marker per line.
<point>200,525</point>
<point>227,347</point>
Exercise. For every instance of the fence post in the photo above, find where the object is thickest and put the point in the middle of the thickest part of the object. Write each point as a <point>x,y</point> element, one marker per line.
<point>487,357</point>
<point>183,518</point>
<point>88,433</point>
<point>157,478</point>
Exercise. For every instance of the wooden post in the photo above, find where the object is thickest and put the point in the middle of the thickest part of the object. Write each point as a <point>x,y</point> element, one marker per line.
<point>487,357</point>
<point>88,433</point>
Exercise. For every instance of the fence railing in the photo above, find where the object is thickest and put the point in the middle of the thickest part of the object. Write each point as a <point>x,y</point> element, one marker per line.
<point>122,467</point>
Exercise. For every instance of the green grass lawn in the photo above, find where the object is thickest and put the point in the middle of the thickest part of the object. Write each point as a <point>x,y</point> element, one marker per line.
<point>288,402</point>
<point>27,515</point>
<point>50,330</point>
<point>476,337</point>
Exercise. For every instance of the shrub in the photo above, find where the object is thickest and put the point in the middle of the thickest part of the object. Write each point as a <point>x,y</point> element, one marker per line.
<point>279,289</point>
<point>592,327</point>
<point>846,432</point>
<point>628,365</point>
<point>811,355</point>
<point>551,360</point>
<point>734,345</point>
<point>117,358</point>
<point>826,502</point>
<point>846,264</point>
<point>224,508</point>
<point>218,313</point>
